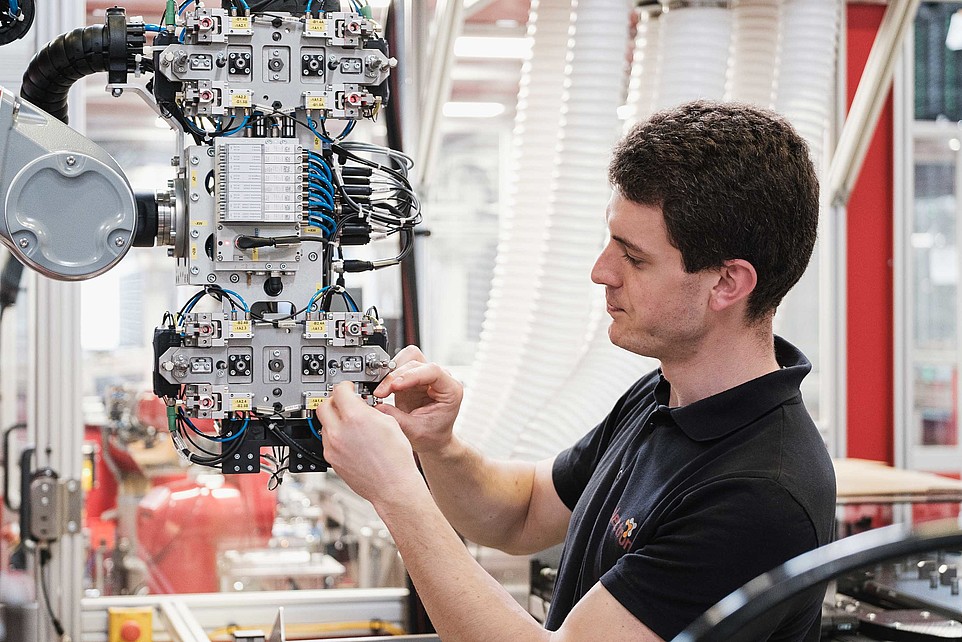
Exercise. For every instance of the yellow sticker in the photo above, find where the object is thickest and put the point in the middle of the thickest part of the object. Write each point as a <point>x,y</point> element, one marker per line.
<point>240,403</point>
<point>255,253</point>
<point>310,229</point>
<point>317,327</point>
<point>240,22</point>
<point>316,102</point>
<point>313,403</point>
<point>193,179</point>
<point>193,251</point>
<point>240,99</point>
<point>240,327</point>
<point>314,24</point>
<point>199,223</point>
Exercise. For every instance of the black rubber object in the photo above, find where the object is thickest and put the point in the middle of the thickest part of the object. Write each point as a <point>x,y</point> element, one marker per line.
<point>15,28</point>
<point>65,60</point>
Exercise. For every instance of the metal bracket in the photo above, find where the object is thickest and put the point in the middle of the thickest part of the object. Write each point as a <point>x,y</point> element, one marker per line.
<point>56,506</point>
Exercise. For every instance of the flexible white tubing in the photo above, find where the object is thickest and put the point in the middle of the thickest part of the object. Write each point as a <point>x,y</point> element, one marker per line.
<point>604,371</point>
<point>694,51</point>
<point>643,82</point>
<point>806,73</point>
<point>754,52</point>
<point>524,220</point>
<point>555,338</point>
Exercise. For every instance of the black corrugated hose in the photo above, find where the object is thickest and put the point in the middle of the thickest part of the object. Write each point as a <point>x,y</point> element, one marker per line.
<point>65,60</point>
<point>114,47</point>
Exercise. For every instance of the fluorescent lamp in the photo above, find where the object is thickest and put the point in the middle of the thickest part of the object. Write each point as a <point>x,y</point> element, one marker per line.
<point>501,47</point>
<point>472,110</point>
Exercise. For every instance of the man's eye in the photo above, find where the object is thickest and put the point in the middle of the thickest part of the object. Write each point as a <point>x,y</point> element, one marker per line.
<point>632,260</point>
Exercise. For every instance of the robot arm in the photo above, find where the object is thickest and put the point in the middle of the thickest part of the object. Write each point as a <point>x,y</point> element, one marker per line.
<point>67,210</point>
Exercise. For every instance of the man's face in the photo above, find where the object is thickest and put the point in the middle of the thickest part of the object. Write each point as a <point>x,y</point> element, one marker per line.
<point>657,309</point>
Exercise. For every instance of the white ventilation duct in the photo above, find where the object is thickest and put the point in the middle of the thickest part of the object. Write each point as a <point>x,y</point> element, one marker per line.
<point>695,43</point>
<point>554,336</point>
<point>806,73</point>
<point>605,371</point>
<point>524,220</point>
<point>643,82</point>
<point>754,51</point>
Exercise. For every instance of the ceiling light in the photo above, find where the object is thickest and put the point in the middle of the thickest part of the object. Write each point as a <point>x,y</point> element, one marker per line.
<point>501,47</point>
<point>472,110</point>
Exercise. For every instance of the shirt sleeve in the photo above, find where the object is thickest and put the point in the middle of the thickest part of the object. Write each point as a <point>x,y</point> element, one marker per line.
<point>718,537</point>
<point>573,467</point>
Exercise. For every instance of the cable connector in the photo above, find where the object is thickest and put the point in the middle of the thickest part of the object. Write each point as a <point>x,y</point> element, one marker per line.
<point>358,266</point>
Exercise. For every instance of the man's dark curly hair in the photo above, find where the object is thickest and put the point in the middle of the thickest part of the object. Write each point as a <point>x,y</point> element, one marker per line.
<point>733,182</point>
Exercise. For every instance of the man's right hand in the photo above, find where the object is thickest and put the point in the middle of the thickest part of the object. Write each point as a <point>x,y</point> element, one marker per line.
<point>426,398</point>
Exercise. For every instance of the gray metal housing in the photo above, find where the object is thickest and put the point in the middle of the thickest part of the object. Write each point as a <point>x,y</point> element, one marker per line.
<point>66,208</point>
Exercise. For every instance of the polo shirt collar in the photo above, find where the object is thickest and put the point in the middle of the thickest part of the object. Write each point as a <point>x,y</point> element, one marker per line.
<point>716,416</point>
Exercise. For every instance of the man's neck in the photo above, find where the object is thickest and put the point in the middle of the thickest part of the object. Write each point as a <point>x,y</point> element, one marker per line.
<point>720,363</point>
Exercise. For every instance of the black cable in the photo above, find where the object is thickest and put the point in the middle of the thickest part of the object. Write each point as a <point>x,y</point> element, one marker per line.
<point>288,440</point>
<point>43,556</point>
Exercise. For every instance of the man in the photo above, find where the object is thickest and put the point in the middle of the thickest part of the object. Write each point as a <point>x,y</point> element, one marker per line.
<point>706,472</point>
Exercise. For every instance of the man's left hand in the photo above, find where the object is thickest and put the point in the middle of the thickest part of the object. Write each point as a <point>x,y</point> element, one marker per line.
<point>366,448</point>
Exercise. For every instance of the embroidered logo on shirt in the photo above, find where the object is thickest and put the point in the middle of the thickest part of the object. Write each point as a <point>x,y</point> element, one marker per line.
<point>623,530</point>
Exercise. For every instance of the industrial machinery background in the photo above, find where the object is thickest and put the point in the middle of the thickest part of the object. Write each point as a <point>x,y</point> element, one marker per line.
<point>263,200</point>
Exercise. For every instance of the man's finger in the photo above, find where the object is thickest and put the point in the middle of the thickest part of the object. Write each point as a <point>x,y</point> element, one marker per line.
<point>408,354</point>
<point>426,375</point>
<point>384,388</point>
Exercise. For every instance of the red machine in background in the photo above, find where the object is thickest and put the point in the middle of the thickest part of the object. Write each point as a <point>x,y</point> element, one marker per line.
<point>182,526</point>
<point>151,525</point>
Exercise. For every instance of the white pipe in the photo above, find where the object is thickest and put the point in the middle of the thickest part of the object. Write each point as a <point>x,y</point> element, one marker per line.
<point>524,220</point>
<point>694,51</point>
<point>754,50</point>
<point>806,72</point>
<point>554,335</point>
<point>644,68</point>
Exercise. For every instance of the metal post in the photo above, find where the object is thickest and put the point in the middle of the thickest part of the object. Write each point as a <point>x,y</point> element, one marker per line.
<point>448,27</point>
<point>869,98</point>
<point>54,417</point>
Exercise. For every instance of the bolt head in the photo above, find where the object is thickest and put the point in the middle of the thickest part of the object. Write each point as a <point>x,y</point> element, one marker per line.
<point>194,234</point>
<point>195,270</point>
<point>194,197</point>
<point>119,241</point>
<point>23,243</point>
<point>71,161</point>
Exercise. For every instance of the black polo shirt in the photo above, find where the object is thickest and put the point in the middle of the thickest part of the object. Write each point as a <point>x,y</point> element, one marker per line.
<point>674,508</point>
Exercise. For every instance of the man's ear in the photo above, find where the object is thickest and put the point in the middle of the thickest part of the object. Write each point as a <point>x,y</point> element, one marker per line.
<point>736,280</point>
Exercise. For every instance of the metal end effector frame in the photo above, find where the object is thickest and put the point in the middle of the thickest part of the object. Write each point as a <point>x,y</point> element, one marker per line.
<point>262,202</point>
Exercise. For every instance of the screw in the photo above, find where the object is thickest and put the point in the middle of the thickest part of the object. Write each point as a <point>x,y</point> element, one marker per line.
<point>195,270</point>
<point>250,469</point>
<point>194,160</point>
<point>211,278</point>
<point>277,377</point>
<point>194,234</point>
<point>116,92</point>
<point>23,243</point>
<point>237,456</point>
<point>234,278</point>
<point>276,353</point>
<point>312,256</point>
<point>250,455</point>
<point>71,161</point>
<point>72,527</point>
<point>195,197</point>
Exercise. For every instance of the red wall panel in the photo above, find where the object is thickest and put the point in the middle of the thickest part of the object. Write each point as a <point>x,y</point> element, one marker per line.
<point>869,333</point>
